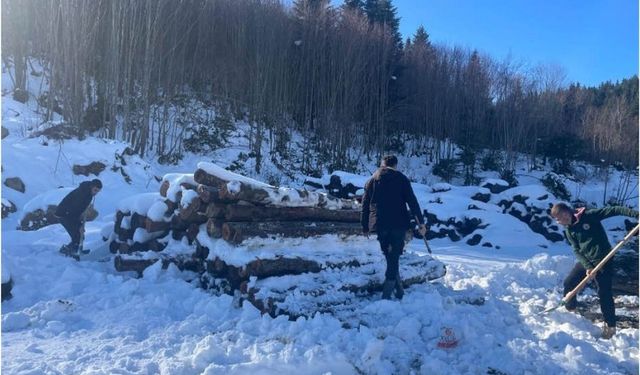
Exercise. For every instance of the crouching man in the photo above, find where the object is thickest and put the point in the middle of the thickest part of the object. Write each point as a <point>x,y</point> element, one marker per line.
<point>71,213</point>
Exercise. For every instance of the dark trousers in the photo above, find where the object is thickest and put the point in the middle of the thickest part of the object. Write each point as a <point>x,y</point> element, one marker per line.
<point>392,245</point>
<point>72,226</point>
<point>604,279</point>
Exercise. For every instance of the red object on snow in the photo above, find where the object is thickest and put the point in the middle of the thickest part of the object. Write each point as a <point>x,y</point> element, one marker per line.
<point>448,339</point>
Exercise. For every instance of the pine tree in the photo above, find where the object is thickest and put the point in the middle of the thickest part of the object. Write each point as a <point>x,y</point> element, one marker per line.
<point>384,13</point>
<point>421,38</point>
<point>353,4</point>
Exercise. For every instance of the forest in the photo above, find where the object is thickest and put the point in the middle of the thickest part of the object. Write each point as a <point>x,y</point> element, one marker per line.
<point>174,76</point>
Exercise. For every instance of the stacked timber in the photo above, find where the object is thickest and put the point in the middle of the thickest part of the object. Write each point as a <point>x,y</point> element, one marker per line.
<point>243,236</point>
<point>239,208</point>
<point>224,205</point>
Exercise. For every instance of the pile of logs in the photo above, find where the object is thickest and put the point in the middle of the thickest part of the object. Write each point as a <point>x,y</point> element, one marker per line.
<point>213,207</point>
<point>233,210</point>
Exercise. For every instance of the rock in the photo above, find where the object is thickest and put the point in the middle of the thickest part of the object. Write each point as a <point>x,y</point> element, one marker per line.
<point>625,280</point>
<point>453,236</point>
<point>496,188</point>
<point>15,183</point>
<point>6,290</point>
<point>537,224</point>
<point>481,197</point>
<point>467,226</point>
<point>506,204</point>
<point>8,207</point>
<point>5,132</point>
<point>522,199</point>
<point>94,168</point>
<point>474,240</point>
<point>440,233</point>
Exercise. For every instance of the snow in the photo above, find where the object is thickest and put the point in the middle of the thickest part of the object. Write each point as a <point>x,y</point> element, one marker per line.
<point>157,210</point>
<point>49,198</point>
<point>494,181</point>
<point>226,175</point>
<point>139,203</point>
<point>187,197</point>
<point>84,317</point>
<point>175,180</point>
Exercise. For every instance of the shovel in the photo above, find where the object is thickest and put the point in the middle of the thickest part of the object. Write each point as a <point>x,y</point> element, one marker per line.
<point>593,273</point>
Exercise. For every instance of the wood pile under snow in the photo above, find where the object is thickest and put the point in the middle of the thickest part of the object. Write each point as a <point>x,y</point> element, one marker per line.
<point>243,235</point>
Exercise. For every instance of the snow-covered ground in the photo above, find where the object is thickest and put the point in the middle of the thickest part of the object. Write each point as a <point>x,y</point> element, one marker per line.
<point>69,317</point>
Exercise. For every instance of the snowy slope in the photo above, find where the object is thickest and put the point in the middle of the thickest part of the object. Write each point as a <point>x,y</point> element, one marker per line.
<point>84,317</point>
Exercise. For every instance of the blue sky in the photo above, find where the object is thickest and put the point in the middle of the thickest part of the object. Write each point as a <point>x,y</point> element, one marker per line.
<point>594,40</point>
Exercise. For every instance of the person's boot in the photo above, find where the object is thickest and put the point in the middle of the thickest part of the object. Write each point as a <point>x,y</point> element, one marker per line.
<point>64,249</point>
<point>73,248</point>
<point>387,288</point>
<point>399,289</point>
<point>607,331</point>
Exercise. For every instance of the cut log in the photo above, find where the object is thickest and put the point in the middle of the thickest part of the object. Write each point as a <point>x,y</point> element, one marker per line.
<point>208,193</point>
<point>269,213</point>
<point>156,226</point>
<point>195,212</point>
<point>171,206</point>
<point>127,247</point>
<point>262,268</point>
<point>114,246</point>
<point>132,264</point>
<point>205,178</point>
<point>332,291</point>
<point>117,227</point>
<point>125,234</point>
<point>164,188</point>
<point>138,221</point>
<point>282,197</point>
<point>214,228</point>
<point>216,210</point>
<point>236,232</point>
<point>244,188</point>
<point>192,232</point>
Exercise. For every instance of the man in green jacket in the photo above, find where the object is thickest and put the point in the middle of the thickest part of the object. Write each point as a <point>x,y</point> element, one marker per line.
<point>589,241</point>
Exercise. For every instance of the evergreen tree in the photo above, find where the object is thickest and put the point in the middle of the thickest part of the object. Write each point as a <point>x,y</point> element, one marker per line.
<point>421,38</point>
<point>353,4</point>
<point>384,13</point>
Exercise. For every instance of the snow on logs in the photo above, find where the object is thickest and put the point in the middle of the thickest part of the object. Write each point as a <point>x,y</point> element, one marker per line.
<point>213,210</point>
<point>231,206</point>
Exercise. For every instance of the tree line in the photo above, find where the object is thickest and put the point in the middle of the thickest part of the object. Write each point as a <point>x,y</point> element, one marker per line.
<point>151,71</point>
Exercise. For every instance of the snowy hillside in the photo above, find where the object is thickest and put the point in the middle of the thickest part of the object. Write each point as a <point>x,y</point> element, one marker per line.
<point>85,317</point>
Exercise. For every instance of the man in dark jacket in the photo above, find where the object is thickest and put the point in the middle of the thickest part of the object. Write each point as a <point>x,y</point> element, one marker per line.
<point>590,244</point>
<point>71,211</point>
<point>384,211</point>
